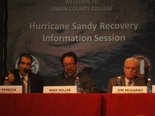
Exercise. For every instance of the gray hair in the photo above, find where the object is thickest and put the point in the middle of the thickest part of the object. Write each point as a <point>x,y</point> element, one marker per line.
<point>132,59</point>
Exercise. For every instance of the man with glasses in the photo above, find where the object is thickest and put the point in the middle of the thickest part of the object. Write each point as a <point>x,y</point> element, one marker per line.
<point>70,73</point>
<point>33,83</point>
<point>131,70</point>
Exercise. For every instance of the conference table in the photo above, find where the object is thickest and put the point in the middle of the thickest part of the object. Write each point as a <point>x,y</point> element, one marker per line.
<point>97,104</point>
<point>128,104</point>
<point>50,104</point>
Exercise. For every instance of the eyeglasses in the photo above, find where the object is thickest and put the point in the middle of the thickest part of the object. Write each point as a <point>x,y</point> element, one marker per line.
<point>25,63</point>
<point>131,68</point>
<point>69,64</point>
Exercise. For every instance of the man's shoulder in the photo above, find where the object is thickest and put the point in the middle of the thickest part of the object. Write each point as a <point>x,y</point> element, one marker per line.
<point>114,78</point>
<point>36,76</point>
<point>33,74</point>
<point>82,73</point>
<point>140,81</point>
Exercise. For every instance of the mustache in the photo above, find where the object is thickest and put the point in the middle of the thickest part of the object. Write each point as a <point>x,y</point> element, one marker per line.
<point>69,70</point>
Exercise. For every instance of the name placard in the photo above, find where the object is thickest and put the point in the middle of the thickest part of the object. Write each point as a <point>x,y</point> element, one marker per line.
<point>60,89</point>
<point>129,89</point>
<point>153,88</point>
<point>11,89</point>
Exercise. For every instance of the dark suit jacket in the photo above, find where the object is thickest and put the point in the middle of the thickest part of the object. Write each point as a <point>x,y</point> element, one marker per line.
<point>85,80</point>
<point>36,82</point>
<point>113,82</point>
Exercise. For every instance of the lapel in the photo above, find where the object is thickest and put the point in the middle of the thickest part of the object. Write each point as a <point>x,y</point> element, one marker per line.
<point>123,80</point>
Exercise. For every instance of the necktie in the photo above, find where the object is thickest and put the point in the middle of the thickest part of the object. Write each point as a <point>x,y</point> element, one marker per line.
<point>25,84</point>
<point>129,83</point>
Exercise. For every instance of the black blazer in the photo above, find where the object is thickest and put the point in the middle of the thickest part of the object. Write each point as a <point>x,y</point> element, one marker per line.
<point>36,82</point>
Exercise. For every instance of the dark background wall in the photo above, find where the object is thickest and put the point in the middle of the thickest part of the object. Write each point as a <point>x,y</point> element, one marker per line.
<point>3,35</point>
<point>105,58</point>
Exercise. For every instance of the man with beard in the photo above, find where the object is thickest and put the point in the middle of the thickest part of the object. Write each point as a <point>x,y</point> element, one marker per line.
<point>130,78</point>
<point>32,83</point>
<point>70,73</point>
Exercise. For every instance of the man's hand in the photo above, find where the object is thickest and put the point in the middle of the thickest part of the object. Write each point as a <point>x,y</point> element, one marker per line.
<point>10,77</point>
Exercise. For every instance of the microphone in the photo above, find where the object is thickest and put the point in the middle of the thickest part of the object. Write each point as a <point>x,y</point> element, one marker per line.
<point>27,71</point>
<point>26,82</point>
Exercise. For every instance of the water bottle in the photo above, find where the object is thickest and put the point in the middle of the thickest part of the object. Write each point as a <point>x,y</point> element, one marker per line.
<point>6,81</point>
<point>77,84</point>
<point>119,81</point>
<point>149,85</point>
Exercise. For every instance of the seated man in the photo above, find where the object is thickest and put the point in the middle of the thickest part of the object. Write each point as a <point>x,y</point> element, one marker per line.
<point>69,63</point>
<point>23,75</point>
<point>130,69</point>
